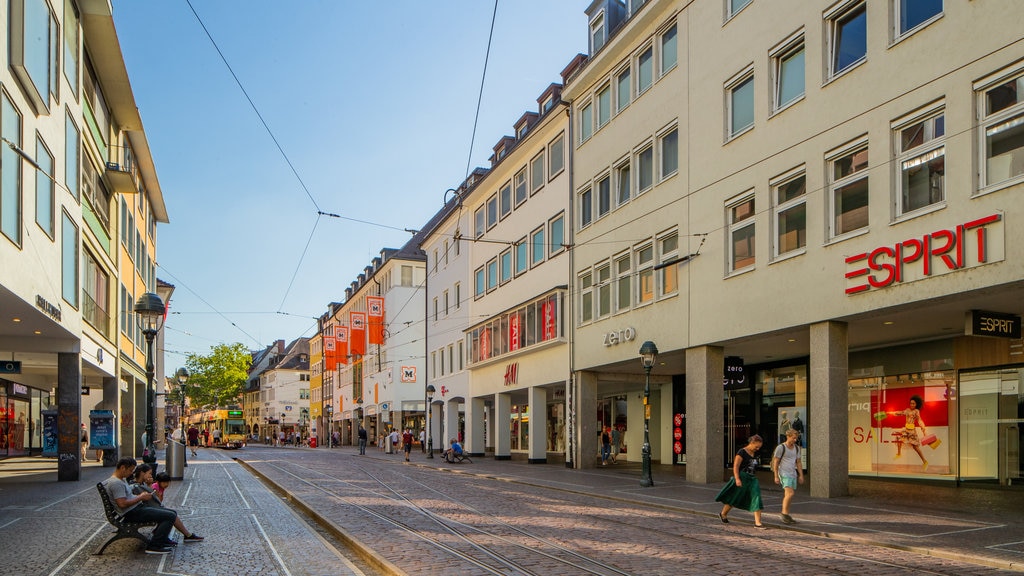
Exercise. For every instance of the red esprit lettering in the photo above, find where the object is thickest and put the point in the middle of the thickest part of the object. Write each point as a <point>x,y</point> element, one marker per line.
<point>856,273</point>
<point>890,269</point>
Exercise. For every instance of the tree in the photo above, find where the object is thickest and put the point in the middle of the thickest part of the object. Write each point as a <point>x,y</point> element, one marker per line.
<point>218,378</point>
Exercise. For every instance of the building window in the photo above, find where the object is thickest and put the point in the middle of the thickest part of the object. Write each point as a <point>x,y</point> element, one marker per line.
<point>622,90</point>
<point>586,297</point>
<point>72,144</point>
<point>669,54</point>
<point>505,196</point>
<point>522,256</point>
<point>622,183</point>
<point>458,295</point>
<point>740,216</point>
<point>437,260</point>
<point>537,173</point>
<point>1002,111</point>
<point>789,193</point>
<point>604,195</point>
<point>506,265</point>
<point>604,290</point>
<point>913,13</point>
<point>668,276</point>
<point>740,103</point>
<point>645,70</point>
<point>10,171</point>
<point>462,355</point>
<point>848,36</point>
<point>645,273</point>
<point>537,248</point>
<point>446,250</point>
<point>623,283</point>
<point>34,49</point>
<point>848,191</point>
<point>44,187</point>
<point>669,153</point>
<point>604,105</point>
<point>95,295</point>
<point>921,157</point>
<point>492,274</point>
<point>406,275</point>
<point>557,228</point>
<point>645,169</point>
<point>479,222</point>
<point>71,51</point>
<point>435,308</point>
<point>447,303</point>
<point>586,208</point>
<point>433,364</point>
<point>586,121</point>
<point>735,6</point>
<point>597,33</point>
<point>520,187</point>
<point>69,260</point>
<point>556,155</point>
<point>788,70</point>
<point>492,211</point>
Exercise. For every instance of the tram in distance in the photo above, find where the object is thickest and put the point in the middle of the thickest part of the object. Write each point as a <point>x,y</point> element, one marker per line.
<point>231,424</point>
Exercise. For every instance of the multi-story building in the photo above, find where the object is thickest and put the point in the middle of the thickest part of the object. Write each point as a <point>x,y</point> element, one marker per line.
<point>79,206</point>
<point>316,381</point>
<point>780,220</point>
<point>284,391</point>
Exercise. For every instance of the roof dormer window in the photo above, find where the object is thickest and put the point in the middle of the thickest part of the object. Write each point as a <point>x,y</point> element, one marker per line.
<point>598,33</point>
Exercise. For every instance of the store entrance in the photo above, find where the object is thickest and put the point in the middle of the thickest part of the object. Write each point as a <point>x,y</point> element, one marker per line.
<point>739,424</point>
<point>991,409</point>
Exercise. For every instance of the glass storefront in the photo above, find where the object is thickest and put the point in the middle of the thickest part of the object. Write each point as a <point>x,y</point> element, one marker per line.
<point>991,426</point>
<point>20,419</point>
<point>519,427</point>
<point>556,427</point>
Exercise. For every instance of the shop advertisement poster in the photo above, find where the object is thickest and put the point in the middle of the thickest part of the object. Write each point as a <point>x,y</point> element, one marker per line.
<point>900,430</point>
<point>101,430</point>
<point>49,432</point>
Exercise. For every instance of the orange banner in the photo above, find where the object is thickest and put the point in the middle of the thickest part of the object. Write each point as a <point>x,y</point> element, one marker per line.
<point>375,312</point>
<point>357,333</point>
<point>342,341</point>
<point>330,354</point>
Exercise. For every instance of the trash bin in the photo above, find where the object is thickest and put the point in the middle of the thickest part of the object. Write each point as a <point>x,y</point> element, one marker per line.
<point>175,460</point>
<point>312,442</point>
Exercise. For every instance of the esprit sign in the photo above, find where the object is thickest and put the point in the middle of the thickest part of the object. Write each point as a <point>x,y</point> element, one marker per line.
<point>982,323</point>
<point>966,245</point>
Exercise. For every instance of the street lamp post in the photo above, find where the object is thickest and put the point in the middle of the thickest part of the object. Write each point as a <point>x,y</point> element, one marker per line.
<point>182,376</point>
<point>150,310</point>
<point>329,409</point>
<point>430,430</point>
<point>648,353</point>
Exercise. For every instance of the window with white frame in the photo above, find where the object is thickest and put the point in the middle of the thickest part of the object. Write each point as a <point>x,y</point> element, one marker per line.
<point>437,260</point>
<point>645,169</point>
<point>435,308</point>
<point>740,214</point>
<point>603,275</point>
<point>44,188</point>
<point>668,276</point>
<point>71,49</point>
<point>847,26</point>
<point>446,249</point>
<point>586,207</point>
<point>462,355</point>
<point>520,187</point>
<point>669,53</point>
<point>72,145</point>
<point>537,247</point>
<point>556,231</point>
<point>597,33</point>
<point>480,284</point>
<point>69,260</point>
<point>604,105</point>
<point>645,273</point>
<point>479,222</point>
<point>586,121</point>
<point>505,200</point>
<point>910,14</point>
<point>734,6</point>
<point>433,363</point>
<point>406,275</point>
<point>556,155</point>
<point>622,183</point>
<point>604,195</point>
<point>669,144</point>
<point>492,274</point>
<point>505,260</point>
<point>645,70</point>
<point>789,195</point>
<point>10,165</point>
<point>623,90</point>
<point>458,295</point>
<point>739,91</point>
<point>848,190</point>
<point>586,288</point>
<point>492,211</point>
<point>1001,107</point>
<point>921,160</point>
<point>788,72</point>
<point>537,173</point>
<point>34,50</point>
<point>623,282</point>
<point>522,256</point>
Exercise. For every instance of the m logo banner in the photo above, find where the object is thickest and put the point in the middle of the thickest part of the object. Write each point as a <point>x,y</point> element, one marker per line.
<point>408,373</point>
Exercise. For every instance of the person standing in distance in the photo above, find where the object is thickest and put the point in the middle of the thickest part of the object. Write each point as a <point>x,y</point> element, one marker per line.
<point>788,470</point>
<point>362,440</point>
<point>407,442</point>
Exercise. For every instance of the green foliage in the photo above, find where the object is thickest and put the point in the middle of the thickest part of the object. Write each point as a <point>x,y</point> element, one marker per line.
<point>217,379</point>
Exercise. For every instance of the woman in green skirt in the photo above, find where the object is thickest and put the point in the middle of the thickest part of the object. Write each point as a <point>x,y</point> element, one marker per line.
<point>743,490</point>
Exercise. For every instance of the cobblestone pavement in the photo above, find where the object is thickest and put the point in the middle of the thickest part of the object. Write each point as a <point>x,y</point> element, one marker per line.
<point>53,528</point>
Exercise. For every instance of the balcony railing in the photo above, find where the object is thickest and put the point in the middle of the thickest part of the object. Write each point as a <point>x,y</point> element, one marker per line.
<point>96,317</point>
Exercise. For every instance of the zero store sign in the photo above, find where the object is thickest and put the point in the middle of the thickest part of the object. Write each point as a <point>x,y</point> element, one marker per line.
<point>620,336</point>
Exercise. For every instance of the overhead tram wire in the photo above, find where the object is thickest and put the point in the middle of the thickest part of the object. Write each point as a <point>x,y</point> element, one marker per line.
<point>178,281</point>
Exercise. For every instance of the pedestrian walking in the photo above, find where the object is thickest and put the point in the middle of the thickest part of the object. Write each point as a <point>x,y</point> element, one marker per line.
<point>193,438</point>
<point>606,445</point>
<point>85,442</point>
<point>336,438</point>
<point>393,444</point>
<point>788,470</point>
<point>362,440</point>
<point>616,443</point>
<point>423,440</point>
<point>407,439</point>
<point>743,490</point>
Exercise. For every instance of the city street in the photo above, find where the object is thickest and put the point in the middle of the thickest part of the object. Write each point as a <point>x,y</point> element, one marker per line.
<point>376,514</point>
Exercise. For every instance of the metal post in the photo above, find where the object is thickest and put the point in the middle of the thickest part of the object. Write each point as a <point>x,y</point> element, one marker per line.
<point>645,479</point>
<point>430,429</point>
<point>148,456</point>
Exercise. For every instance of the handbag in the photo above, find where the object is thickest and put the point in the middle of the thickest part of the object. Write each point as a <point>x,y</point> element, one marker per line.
<point>931,440</point>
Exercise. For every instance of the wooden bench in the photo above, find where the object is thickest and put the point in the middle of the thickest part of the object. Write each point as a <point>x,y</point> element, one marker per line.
<point>125,529</point>
<point>454,458</point>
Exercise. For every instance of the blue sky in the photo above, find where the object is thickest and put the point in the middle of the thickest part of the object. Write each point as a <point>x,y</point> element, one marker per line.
<point>372,102</point>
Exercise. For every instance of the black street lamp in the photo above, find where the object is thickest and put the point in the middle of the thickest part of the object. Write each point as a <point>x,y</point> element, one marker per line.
<point>648,353</point>
<point>150,311</point>
<point>182,376</point>
<point>430,430</point>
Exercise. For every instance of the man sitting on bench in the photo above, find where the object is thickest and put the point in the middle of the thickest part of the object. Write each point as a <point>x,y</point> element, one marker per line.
<point>455,452</point>
<point>131,508</point>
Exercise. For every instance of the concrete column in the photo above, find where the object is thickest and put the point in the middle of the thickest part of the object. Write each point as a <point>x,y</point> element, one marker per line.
<point>111,394</point>
<point>434,436</point>
<point>475,410</point>
<point>69,408</point>
<point>491,429</point>
<point>502,434</point>
<point>451,421</point>
<point>704,414</point>
<point>828,442</point>
<point>537,399</point>
<point>587,451</point>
